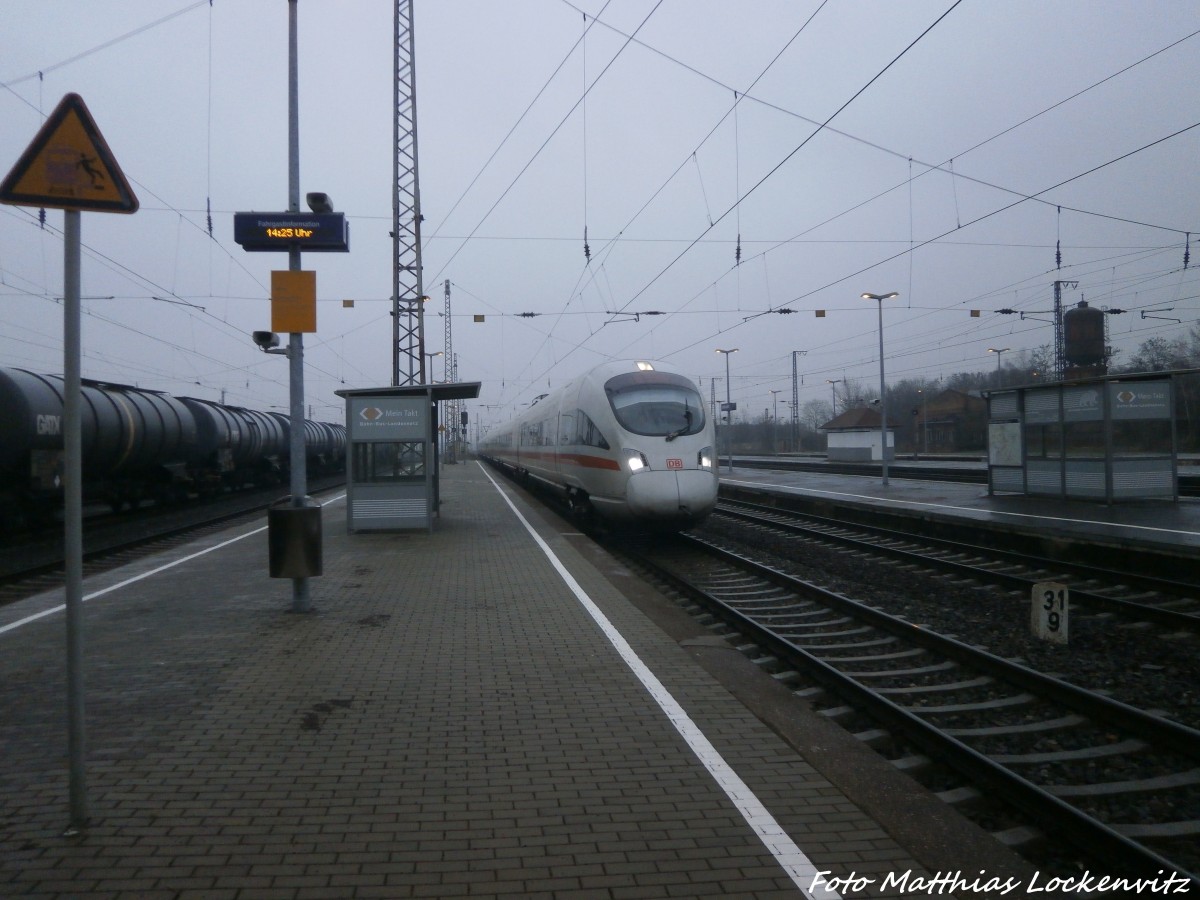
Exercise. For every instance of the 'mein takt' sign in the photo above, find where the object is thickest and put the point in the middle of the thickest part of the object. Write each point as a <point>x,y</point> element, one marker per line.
<point>389,418</point>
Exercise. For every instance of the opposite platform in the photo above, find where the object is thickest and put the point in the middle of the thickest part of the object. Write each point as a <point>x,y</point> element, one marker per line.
<point>464,714</point>
<point>1160,526</point>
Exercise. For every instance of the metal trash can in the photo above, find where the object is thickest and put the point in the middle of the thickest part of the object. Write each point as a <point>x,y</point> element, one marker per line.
<point>294,539</point>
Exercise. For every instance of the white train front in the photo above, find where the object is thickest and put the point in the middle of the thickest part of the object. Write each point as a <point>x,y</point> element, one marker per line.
<point>624,441</point>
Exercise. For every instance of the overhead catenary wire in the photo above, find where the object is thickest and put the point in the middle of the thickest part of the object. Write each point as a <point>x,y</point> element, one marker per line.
<point>955,175</point>
<point>618,290</point>
<point>142,29</point>
<point>545,143</point>
<point>779,165</point>
<point>932,167</point>
<point>436,231</point>
<point>983,217</point>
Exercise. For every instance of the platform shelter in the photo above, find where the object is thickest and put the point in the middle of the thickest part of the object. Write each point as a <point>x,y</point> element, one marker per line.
<point>1111,438</point>
<point>392,463</point>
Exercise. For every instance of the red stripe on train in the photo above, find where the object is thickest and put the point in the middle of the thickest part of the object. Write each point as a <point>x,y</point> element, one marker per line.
<point>590,462</point>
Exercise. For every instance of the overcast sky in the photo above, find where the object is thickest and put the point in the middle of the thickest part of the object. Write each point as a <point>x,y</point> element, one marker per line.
<point>938,149</point>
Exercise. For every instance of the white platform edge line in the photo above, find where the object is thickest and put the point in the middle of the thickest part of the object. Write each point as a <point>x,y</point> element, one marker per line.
<point>799,867</point>
<point>13,626</point>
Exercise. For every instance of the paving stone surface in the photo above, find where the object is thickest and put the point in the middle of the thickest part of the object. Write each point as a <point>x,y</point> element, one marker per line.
<point>448,722</point>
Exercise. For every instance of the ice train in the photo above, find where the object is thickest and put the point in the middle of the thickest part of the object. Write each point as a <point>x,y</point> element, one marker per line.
<point>624,442</point>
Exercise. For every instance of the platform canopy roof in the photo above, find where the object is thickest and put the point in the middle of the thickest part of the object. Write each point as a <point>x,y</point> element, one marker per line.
<point>461,390</point>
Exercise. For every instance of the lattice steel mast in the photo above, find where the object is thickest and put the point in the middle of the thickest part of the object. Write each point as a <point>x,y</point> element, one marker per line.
<point>452,406</point>
<point>408,321</point>
<point>796,401</point>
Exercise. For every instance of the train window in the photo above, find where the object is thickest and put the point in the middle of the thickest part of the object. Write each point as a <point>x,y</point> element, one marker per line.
<point>586,432</point>
<point>386,461</point>
<point>531,435</point>
<point>660,404</point>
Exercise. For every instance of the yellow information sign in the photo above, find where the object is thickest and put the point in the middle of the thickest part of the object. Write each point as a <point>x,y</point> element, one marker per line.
<point>294,302</point>
<point>69,166</point>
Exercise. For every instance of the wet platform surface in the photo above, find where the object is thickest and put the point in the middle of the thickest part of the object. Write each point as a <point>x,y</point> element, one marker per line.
<point>480,711</point>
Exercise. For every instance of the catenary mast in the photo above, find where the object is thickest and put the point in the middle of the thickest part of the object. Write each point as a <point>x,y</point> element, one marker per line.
<point>408,323</point>
<point>452,406</point>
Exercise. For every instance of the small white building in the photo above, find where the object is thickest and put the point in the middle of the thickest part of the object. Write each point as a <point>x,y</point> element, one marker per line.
<point>855,436</point>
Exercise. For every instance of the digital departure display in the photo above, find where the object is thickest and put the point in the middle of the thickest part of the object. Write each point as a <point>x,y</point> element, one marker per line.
<point>283,231</point>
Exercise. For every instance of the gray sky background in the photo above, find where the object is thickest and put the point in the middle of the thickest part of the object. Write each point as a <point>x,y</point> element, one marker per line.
<point>957,151</point>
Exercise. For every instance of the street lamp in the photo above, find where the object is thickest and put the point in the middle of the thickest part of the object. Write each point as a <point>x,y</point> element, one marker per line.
<point>879,298</point>
<point>833,394</point>
<point>924,421</point>
<point>998,352</point>
<point>430,356</point>
<point>775,422</point>
<point>728,406</point>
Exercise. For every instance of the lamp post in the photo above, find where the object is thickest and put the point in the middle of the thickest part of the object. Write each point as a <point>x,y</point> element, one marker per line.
<point>879,298</point>
<point>775,421</point>
<point>832,382</point>
<point>998,352</point>
<point>925,418</point>
<point>924,422</point>
<point>430,356</point>
<point>429,380</point>
<point>728,407</point>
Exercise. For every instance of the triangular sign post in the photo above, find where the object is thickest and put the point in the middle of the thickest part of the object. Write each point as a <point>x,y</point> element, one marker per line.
<point>68,166</point>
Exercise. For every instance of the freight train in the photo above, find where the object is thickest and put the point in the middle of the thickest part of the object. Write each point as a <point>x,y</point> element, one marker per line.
<point>625,442</point>
<point>140,446</point>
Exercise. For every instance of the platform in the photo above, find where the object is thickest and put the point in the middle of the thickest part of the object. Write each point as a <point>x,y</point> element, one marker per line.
<point>1161,526</point>
<point>472,712</point>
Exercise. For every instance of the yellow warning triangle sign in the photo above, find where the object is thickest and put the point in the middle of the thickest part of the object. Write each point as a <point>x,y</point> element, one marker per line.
<point>69,166</point>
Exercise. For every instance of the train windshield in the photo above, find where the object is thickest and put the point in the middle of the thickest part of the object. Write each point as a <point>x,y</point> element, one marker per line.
<point>656,403</point>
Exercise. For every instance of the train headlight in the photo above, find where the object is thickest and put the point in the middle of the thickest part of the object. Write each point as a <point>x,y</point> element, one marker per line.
<point>635,460</point>
<point>704,459</point>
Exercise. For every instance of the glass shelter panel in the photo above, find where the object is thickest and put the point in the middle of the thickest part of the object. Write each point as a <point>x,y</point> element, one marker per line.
<point>1043,441</point>
<point>392,462</point>
<point>1134,438</point>
<point>381,462</point>
<point>1099,440</point>
<point>1083,440</point>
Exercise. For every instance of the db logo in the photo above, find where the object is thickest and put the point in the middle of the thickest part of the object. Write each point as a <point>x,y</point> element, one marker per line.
<point>674,463</point>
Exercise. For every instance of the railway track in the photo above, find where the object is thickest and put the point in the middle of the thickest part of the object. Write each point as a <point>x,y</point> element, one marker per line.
<point>32,564</point>
<point>1117,784</point>
<point>1170,602</point>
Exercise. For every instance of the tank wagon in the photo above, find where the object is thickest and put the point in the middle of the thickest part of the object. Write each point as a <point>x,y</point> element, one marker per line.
<point>141,445</point>
<point>625,442</point>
